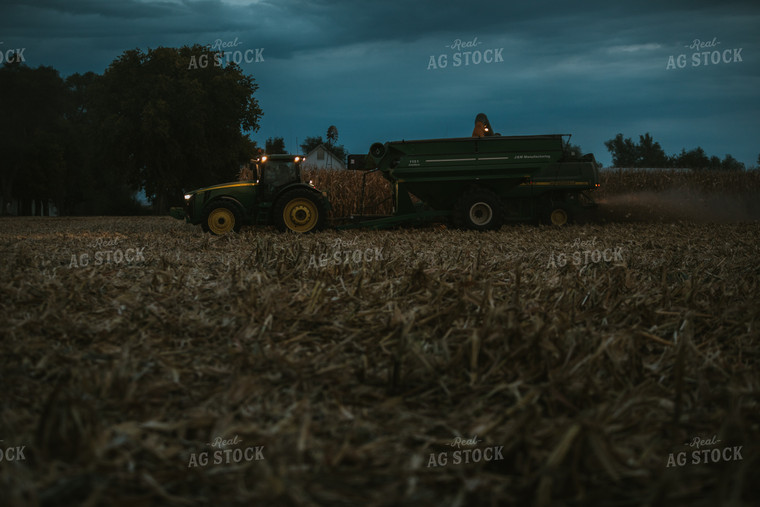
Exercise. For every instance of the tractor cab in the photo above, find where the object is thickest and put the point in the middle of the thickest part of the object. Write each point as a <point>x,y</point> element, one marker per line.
<point>275,171</point>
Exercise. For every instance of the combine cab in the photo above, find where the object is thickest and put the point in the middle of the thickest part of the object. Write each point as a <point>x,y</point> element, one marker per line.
<point>276,196</point>
<point>484,181</point>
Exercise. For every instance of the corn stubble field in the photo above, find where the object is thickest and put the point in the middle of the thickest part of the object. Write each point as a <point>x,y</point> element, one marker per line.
<point>352,379</point>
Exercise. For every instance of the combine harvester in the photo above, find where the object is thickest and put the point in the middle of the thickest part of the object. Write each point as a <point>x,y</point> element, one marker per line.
<point>483,181</point>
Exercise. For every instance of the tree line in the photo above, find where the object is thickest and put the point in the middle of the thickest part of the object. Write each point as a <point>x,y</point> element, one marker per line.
<point>648,153</point>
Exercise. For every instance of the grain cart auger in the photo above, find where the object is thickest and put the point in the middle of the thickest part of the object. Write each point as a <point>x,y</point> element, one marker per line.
<point>483,182</point>
<point>275,195</point>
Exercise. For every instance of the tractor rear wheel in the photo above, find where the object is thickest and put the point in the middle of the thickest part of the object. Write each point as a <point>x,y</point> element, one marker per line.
<point>221,217</point>
<point>480,210</point>
<point>299,211</point>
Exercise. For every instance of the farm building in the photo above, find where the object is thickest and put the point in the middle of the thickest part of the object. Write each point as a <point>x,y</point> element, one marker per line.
<point>322,158</point>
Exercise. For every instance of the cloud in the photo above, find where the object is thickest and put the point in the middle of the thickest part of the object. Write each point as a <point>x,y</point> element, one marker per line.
<point>635,48</point>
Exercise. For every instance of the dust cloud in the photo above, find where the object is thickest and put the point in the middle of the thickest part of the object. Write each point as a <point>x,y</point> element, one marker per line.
<point>679,205</point>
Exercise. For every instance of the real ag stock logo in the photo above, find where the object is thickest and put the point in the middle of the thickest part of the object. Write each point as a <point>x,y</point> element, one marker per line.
<point>466,455</point>
<point>222,456</point>
<point>700,455</point>
<point>586,252</point>
<point>219,55</point>
<point>345,253</point>
<point>699,58</point>
<point>107,253</point>
<point>466,53</point>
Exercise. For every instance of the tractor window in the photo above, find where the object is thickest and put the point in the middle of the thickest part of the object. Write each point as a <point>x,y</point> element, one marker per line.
<point>278,173</point>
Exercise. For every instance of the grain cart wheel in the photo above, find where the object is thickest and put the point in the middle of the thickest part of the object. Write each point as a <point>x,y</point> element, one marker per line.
<point>559,216</point>
<point>300,211</point>
<point>221,217</point>
<point>479,210</point>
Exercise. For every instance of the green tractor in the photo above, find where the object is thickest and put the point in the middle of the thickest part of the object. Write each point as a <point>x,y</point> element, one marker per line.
<point>274,196</point>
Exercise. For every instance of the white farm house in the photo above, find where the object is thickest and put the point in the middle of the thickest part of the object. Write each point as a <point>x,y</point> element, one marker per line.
<point>322,158</point>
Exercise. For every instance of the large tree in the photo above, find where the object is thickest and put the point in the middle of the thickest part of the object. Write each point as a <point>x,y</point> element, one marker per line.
<point>729,163</point>
<point>649,153</point>
<point>574,149</point>
<point>310,143</point>
<point>692,159</point>
<point>623,151</point>
<point>173,124</point>
<point>33,109</point>
<point>275,145</point>
<point>646,153</point>
<point>94,184</point>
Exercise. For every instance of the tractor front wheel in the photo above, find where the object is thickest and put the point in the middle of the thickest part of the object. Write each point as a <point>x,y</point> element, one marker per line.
<point>299,211</point>
<point>221,217</point>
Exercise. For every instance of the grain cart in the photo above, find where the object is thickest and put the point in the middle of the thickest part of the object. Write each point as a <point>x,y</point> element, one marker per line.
<point>482,182</point>
<point>275,195</point>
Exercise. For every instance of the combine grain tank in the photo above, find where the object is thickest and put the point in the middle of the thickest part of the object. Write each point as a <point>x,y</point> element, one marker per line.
<point>483,182</point>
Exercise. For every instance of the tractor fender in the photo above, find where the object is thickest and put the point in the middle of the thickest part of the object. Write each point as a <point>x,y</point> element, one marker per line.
<point>292,186</point>
<point>316,192</point>
<point>227,198</point>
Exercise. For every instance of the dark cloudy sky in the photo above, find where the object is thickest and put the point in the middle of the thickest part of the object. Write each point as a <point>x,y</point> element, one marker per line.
<point>592,69</point>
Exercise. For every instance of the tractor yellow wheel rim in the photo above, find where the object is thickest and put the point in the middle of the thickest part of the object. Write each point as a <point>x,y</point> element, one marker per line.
<point>221,221</point>
<point>300,215</point>
<point>558,217</point>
